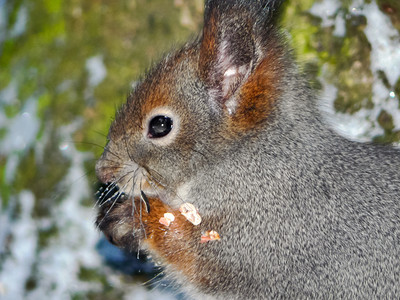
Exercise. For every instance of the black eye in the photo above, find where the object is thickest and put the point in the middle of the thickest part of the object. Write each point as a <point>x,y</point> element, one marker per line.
<point>160,126</point>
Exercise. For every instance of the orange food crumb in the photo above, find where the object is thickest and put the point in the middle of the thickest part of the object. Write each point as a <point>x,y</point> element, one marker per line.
<point>167,219</point>
<point>210,235</point>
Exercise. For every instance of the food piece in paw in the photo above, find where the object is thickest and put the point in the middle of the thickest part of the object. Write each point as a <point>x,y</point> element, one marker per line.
<point>167,219</point>
<point>210,235</point>
<point>190,213</point>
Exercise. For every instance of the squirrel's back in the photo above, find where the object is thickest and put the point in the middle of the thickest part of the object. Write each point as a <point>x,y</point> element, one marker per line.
<point>312,213</point>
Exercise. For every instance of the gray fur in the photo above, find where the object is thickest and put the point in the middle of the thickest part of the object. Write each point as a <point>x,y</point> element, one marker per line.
<point>302,212</point>
<point>313,215</point>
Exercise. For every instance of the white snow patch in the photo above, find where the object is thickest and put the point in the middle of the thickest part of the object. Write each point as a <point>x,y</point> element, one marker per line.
<point>3,21</point>
<point>5,224</point>
<point>385,56</point>
<point>74,246</point>
<point>20,24</point>
<point>360,126</point>
<point>96,69</point>
<point>385,42</point>
<point>22,129</point>
<point>329,12</point>
<point>344,124</point>
<point>340,26</point>
<point>16,269</point>
<point>11,167</point>
<point>9,95</point>
<point>19,27</point>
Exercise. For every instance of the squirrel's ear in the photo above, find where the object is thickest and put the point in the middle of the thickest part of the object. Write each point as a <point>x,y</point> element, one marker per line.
<point>229,50</point>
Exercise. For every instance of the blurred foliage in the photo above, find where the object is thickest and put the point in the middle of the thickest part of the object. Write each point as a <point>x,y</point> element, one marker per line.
<point>346,58</point>
<point>47,60</point>
<point>341,61</point>
<point>392,9</point>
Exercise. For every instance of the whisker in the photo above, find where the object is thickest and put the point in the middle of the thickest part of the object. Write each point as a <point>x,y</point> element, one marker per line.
<point>84,143</point>
<point>112,206</point>
<point>112,153</point>
<point>100,133</point>
<point>136,179</point>
<point>104,198</point>
<point>141,223</point>
<point>126,144</point>
<point>150,171</point>
<point>107,212</point>
<point>120,164</point>
<point>201,153</point>
<point>110,188</point>
<point>115,184</point>
<point>155,277</point>
<point>151,178</point>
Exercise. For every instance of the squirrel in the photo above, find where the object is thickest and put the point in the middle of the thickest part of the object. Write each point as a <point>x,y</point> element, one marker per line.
<point>221,166</point>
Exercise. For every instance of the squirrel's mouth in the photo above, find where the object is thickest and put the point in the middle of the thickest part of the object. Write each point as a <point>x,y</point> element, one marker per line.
<point>111,193</point>
<point>108,192</point>
<point>131,182</point>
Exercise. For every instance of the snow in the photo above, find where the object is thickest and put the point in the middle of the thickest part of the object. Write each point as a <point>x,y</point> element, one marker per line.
<point>328,11</point>
<point>21,131</point>
<point>56,267</point>
<point>58,264</point>
<point>96,69</point>
<point>3,22</point>
<point>97,73</point>
<point>16,270</point>
<point>385,56</point>
<point>19,26</point>
<point>9,94</point>
<point>384,39</point>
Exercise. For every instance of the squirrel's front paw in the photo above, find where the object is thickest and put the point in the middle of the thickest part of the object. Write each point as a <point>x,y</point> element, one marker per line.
<point>126,222</point>
<point>116,219</point>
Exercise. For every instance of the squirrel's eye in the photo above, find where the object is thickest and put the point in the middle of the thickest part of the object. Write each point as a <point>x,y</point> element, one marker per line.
<point>160,126</point>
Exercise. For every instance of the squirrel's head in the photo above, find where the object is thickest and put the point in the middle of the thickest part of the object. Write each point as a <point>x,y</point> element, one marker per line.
<point>200,101</point>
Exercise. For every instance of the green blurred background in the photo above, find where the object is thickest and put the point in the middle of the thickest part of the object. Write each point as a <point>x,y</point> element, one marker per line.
<point>66,66</point>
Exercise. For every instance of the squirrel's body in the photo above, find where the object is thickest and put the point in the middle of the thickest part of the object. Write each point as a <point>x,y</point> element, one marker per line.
<point>301,211</point>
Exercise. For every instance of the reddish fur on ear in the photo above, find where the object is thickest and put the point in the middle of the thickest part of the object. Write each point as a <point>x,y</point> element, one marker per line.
<point>258,95</point>
<point>226,52</point>
<point>240,63</point>
<point>208,46</point>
